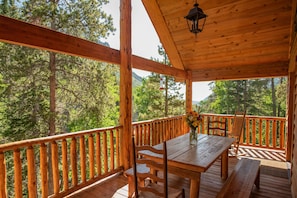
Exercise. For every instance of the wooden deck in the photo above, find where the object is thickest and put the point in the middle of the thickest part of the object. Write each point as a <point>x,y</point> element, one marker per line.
<point>274,179</point>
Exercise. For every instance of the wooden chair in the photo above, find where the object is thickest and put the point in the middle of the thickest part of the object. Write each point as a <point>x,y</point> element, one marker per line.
<point>236,130</point>
<point>217,127</point>
<point>158,187</point>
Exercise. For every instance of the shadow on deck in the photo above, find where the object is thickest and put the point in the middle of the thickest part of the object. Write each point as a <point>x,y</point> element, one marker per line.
<point>274,178</point>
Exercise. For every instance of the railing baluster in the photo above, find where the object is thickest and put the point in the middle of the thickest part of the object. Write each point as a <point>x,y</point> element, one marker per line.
<point>55,165</point>
<point>118,147</point>
<point>267,141</point>
<point>98,153</point>
<point>111,144</point>
<point>105,152</point>
<point>43,170</point>
<point>32,189</point>
<point>274,133</point>
<point>282,135</point>
<point>254,132</point>
<point>65,164</point>
<point>141,133</point>
<point>3,186</point>
<point>247,131</point>
<point>149,134</point>
<point>17,173</point>
<point>260,132</point>
<point>82,151</point>
<point>91,155</point>
<point>73,157</point>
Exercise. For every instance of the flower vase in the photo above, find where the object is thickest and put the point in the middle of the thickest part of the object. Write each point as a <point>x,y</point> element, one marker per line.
<point>193,136</point>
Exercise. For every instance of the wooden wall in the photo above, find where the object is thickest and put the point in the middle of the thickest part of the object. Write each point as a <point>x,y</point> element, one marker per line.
<point>292,110</point>
<point>294,142</point>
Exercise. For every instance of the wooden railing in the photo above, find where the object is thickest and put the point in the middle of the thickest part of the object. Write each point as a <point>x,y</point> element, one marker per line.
<point>153,132</point>
<point>76,160</point>
<point>82,158</point>
<point>259,131</point>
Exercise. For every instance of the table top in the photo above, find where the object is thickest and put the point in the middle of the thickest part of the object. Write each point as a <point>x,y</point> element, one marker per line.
<point>196,158</point>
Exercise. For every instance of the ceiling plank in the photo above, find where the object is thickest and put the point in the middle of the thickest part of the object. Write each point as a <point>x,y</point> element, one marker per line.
<point>242,72</point>
<point>160,25</point>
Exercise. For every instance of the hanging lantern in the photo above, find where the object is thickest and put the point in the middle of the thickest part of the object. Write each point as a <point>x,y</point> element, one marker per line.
<point>196,14</point>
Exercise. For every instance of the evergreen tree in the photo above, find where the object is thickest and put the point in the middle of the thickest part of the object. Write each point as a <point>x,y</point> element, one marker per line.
<point>153,102</point>
<point>254,96</point>
<point>33,103</point>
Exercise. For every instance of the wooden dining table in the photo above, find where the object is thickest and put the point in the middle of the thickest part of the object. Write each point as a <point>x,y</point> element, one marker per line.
<point>189,161</point>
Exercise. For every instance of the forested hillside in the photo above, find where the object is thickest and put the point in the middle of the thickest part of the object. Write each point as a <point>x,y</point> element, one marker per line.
<point>263,97</point>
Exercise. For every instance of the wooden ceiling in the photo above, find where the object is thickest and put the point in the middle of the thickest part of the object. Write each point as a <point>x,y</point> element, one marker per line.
<point>241,38</point>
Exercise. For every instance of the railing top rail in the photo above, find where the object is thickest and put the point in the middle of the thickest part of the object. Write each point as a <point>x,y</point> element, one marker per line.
<point>157,119</point>
<point>247,116</point>
<point>25,143</point>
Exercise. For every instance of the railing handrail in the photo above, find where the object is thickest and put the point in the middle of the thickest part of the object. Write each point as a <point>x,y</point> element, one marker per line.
<point>247,116</point>
<point>25,143</point>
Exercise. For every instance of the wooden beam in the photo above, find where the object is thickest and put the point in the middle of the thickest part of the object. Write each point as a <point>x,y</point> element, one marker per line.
<point>242,72</point>
<point>126,83</point>
<point>149,65</point>
<point>25,34</point>
<point>21,33</point>
<point>163,32</point>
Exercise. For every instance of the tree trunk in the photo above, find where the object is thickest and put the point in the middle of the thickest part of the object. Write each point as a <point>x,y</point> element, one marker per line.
<point>273,97</point>
<point>52,119</point>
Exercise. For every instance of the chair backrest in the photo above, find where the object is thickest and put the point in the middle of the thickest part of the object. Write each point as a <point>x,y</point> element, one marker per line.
<point>238,123</point>
<point>156,160</point>
<point>217,127</point>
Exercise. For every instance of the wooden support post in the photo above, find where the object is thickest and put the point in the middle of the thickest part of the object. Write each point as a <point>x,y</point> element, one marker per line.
<point>290,114</point>
<point>189,91</point>
<point>125,83</point>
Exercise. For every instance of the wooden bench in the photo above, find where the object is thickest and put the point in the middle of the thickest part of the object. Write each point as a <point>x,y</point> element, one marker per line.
<point>130,176</point>
<point>240,183</point>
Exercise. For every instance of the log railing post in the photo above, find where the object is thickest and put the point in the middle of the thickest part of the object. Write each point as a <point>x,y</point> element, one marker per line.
<point>3,186</point>
<point>55,165</point>
<point>17,173</point>
<point>32,189</point>
<point>65,164</point>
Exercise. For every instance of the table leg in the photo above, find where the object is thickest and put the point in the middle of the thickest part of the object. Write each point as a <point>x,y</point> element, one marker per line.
<point>224,165</point>
<point>194,187</point>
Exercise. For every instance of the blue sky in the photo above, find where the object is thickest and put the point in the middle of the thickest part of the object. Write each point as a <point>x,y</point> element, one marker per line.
<point>145,40</point>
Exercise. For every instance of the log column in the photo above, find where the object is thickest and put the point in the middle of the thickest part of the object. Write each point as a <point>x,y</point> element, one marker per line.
<point>189,87</point>
<point>125,83</point>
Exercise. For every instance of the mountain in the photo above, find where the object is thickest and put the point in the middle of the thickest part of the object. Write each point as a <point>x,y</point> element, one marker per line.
<point>136,80</point>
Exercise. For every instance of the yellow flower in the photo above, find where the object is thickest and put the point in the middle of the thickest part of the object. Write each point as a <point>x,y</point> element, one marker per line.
<point>193,119</point>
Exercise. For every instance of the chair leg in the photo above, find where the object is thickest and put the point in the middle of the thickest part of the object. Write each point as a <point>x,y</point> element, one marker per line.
<point>131,187</point>
<point>183,194</point>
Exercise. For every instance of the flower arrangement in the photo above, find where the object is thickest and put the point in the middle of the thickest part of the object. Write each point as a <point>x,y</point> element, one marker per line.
<point>193,119</point>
